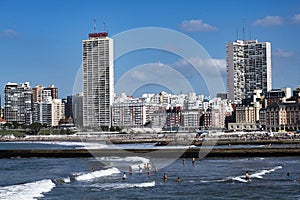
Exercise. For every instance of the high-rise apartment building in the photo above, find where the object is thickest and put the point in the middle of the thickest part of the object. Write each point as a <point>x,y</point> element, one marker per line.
<point>17,103</point>
<point>248,64</point>
<point>41,94</point>
<point>97,77</point>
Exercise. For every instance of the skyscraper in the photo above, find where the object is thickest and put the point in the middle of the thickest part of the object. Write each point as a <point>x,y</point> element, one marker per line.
<point>98,83</point>
<point>248,64</point>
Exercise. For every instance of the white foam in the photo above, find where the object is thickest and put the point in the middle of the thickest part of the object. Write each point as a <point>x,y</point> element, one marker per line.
<point>93,145</point>
<point>130,159</point>
<point>127,185</point>
<point>67,180</point>
<point>27,191</point>
<point>240,179</point>
<point>260,173</point>
<point>97,174</point>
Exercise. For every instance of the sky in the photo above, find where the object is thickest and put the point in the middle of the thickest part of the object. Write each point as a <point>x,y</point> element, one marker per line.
<point>41,41</point>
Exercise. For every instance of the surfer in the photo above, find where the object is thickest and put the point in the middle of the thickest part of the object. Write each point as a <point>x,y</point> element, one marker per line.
<point>124,176</point>
<point>247,177</point>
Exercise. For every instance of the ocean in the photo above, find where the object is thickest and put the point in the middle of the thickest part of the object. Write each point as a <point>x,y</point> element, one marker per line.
<point>101,178</point>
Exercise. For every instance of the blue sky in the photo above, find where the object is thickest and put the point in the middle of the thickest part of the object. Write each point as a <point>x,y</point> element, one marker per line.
<point>40,41</point>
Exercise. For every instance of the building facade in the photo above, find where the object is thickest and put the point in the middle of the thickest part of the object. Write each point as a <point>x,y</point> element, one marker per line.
<point>281,116</point>
<point>17,103</point>
<point>42,94</point>
<point>248,65</point>
<point>98,83</point>
<point>58,111</point>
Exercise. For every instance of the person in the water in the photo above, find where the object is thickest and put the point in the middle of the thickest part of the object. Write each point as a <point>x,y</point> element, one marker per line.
<point>247,177</point>
<point>124,176</point>
<point>165,177</point>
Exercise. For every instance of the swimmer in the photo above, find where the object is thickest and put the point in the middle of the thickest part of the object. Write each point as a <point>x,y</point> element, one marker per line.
<point>178,179</point>
<point>193,160</point>
<point>124,176</point>
<point>165,177</point>
<point>288,176</point>
<point>247,177</point>
<point>140,169</point>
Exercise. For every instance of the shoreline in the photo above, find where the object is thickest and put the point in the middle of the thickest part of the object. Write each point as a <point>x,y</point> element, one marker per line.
<point>160,141</point>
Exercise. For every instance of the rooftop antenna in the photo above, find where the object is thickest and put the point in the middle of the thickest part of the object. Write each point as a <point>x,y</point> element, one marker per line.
<point>95,27</point>
<point>250,32</point>
<point>237,33</point>
<point>104,27</point>
<point>244,29</point>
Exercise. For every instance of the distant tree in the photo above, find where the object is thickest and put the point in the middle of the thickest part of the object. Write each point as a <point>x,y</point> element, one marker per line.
<point>24,126</point>
<point>118,128</point>
<point>104,128</point>
<point>112,129</point>
<point>35,127</point>
<point>15,125</point>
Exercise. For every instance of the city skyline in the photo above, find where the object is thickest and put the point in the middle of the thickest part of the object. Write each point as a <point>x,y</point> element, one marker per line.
<point>46,37</point>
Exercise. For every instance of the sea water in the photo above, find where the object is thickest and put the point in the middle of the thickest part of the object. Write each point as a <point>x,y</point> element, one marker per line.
<point>101,178</point>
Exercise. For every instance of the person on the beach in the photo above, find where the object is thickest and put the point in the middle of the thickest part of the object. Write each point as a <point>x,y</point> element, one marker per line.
<point>165,177</point>
<point>247,177</point>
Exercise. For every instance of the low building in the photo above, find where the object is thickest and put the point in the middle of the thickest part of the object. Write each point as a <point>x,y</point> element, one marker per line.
<point>282,116</point>
<point>243,126</point>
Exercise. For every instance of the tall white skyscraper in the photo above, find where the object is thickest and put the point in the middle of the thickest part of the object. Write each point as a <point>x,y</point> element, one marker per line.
<point>98,80</point>
<point>248,64</point>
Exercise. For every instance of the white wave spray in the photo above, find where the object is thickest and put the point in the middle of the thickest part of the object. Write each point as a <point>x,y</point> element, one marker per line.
<point>97,174</point>
<point>27,191</point>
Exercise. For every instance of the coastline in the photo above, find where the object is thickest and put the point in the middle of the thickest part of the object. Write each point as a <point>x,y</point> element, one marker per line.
<point>153,138</point>
<point>182,145</point>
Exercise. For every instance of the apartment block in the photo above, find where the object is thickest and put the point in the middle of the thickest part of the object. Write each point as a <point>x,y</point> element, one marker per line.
<point>248,65</point>
<point>17,103</point>
<point>98,80</point>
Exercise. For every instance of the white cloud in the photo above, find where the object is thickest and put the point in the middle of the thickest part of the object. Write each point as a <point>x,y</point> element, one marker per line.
<point>296,19</point>
<point>269,21</point>
<point>196,26</point>
<point>8,33</point>
<point>283,53</point>
<point>205,64</point>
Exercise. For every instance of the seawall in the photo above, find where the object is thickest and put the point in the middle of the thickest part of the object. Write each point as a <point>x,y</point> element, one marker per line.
<point>162,153</point>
